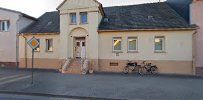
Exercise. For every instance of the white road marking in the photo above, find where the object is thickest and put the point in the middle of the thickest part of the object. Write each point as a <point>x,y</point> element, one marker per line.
<point>15,79</point>
<point>9,77</point>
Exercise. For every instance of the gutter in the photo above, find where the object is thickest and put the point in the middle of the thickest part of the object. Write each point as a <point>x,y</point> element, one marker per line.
<point>26,62</point>
<point>194,52</point>
<point>54,33</point>
<point>167,29</point>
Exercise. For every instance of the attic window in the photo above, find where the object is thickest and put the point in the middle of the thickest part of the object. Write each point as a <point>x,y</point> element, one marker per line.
<point>150,17</point>
<point>49,23</point>
<point>106,20</point>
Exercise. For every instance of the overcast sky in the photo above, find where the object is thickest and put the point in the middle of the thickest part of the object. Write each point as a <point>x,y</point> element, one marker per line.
<point>38,7</point>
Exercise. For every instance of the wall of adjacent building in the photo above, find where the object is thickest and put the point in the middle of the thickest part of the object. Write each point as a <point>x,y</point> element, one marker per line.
<point>177,57</point>
<point>43,58</point>
<point>8,40</point>
<point>196,15</point>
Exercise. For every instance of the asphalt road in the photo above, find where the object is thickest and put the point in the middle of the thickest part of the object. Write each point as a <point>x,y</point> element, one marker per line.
<point>103,85</point>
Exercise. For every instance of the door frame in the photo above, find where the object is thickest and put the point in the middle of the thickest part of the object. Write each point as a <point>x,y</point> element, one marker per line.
<point>81,39</point>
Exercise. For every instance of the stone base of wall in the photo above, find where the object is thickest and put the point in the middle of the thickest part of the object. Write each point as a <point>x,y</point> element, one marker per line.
<point>41,63</point>
<point>165,67</point>
<point>109,65</point>
<point>9,64</point>
<point>199,70</point>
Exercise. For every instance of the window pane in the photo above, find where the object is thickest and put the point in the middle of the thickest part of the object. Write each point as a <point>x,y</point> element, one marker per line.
<point>83,44</point>
<point>4,25</point>
<point>49,44</point>
<point>73,18</point>
<point>117,44</point>
<point>132,44</point>
<point>83,17</point>
<point>159,44</point>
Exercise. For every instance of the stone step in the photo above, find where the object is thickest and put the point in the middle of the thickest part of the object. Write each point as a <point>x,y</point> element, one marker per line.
<point>73,70</point>
<point>75,63</point>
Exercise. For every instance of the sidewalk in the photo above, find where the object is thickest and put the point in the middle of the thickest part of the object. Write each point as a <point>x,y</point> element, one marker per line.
<point>110,86</point>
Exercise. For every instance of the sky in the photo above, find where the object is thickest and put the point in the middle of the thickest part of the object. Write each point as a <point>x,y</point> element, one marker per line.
<point>36,8</point>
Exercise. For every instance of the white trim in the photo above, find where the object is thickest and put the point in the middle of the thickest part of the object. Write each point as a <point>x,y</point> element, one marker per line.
<point>163,44</point>
<point>47,49</point>
<point>116,38</point>
<point>135,38</point>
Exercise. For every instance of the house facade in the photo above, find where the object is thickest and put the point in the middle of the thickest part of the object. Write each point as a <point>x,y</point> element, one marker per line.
<point>11,22</point>
<point>110,36</point>
<point>191,10</point>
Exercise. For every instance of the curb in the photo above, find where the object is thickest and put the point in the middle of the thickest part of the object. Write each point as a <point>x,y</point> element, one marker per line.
<point>56,96</point>
<point>148,75</point>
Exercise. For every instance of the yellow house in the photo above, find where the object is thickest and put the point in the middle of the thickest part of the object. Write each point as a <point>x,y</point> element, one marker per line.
<point>107,37</point>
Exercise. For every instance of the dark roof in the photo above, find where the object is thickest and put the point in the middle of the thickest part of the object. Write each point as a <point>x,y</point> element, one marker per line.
<point>23,14</point>
<point>182,7</point>
<point>47,23</point>
<point>144,16</point>
<point>131,17</point>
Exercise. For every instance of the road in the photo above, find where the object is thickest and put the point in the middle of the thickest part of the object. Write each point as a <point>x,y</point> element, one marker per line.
<point>104,85</point>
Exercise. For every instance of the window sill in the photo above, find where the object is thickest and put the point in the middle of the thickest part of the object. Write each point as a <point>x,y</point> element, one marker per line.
<point>117,52</point>
<point>49,51</point>
<point>133,52</point>
<point>160,52</point>
<point>4,31</point>
<point>83,23</point>
<point>73,23</point>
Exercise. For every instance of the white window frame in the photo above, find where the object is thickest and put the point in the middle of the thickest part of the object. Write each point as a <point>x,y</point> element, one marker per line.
<point>47,43</point>
<point>128,44</point>
<point>6,25</point>
<point>70,15</point>
<point>116,38</point>
<point>163,44</point>
<point>81,18</point>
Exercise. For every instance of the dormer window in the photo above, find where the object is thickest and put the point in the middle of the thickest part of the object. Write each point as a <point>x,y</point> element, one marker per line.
<point>4,25</point>
<point>83,17</point>
<point>73,18</point>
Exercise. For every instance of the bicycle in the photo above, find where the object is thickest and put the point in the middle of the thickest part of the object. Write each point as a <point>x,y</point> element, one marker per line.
<point>148,68</point>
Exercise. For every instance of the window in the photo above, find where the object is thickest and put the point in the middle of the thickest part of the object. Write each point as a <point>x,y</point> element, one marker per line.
<point>37,49</point>
<point>49,45</point>
<point>73,18</point>
<point>4,25</point>
<point>159,43</point>
<point>83,17</point>
<point>117,44</point>
<point>132,44</point>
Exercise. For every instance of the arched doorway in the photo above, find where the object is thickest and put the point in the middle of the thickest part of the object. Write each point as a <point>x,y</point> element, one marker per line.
<point>79,36</point>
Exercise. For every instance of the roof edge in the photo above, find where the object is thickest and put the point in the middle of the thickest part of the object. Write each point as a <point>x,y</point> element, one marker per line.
<point>50,33</point>
<point>164,29</point>
<point>23,14</point>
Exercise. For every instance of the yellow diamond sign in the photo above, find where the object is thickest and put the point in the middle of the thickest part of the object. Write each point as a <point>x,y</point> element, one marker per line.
<point>33,43</point>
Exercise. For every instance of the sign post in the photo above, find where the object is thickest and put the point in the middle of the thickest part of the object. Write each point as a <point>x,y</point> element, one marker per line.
<point>33,43</point>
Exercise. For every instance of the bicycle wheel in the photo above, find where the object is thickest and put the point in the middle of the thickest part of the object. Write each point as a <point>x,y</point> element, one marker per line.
<point>154,70</point>
<point>126,70</point>
<point>142,70</point>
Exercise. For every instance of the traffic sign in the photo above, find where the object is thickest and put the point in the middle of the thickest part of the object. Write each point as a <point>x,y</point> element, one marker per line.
<point>33,43</point>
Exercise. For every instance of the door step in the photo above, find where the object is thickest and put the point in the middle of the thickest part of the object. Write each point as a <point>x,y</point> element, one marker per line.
<point>74,67</point>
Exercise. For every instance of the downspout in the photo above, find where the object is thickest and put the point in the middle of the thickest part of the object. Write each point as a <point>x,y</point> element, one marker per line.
<point>194,52</point>
<point>26,64</point>
<point>17,41</point>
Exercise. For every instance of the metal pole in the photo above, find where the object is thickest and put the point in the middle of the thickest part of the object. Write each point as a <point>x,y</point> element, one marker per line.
<point>32,65</point>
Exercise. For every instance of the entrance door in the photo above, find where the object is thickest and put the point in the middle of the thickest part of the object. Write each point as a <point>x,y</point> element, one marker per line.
<point>80,48</point>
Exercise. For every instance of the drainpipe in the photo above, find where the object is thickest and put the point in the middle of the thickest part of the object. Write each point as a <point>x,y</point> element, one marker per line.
<point>17,41</point>
<point>26,64</point>
<point>17,50</point>
<point>194,52</point>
